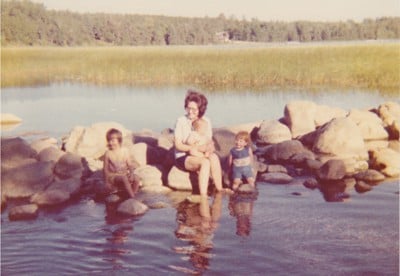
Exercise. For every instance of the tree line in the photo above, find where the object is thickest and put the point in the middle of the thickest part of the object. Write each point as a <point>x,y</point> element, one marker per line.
<point>28,23</point>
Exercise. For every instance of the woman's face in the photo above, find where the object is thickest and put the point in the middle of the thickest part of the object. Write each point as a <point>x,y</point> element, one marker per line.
<point>192,111</point>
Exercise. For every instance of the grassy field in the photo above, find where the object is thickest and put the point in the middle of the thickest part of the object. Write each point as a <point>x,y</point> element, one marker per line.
<point>312,67</point>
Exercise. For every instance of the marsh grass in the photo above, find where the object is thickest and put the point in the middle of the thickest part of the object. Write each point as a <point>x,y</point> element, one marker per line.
<point>375,67</point>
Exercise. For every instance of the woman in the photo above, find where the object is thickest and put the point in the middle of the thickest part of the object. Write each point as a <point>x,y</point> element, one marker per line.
<point>195,106</point>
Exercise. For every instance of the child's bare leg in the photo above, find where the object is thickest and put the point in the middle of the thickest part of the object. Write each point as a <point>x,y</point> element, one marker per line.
<point>128,186</point>
<point>236,183</point>
<point>251,181</point>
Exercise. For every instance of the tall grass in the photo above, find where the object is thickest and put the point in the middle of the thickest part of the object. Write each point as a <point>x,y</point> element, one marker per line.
<point>375,66</point>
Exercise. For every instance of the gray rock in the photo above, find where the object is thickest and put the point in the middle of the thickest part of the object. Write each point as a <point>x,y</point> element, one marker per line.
<point>284,151</point>
<point>132,207</point>
<point>14,151</point>
<point>369,123</point>
<point>27,180</point>
<point>224,140</point>
<point>362,187</point>
<point>277,178</point>
<point>310,183</point>
<point>39,145</point>
<point>370,176</point>
<point>246,188</point>
<point>28,211</point>
<point>386,161</point>
<point>332,170</point>
<point>50,197</point>
<point>301,157</point>
<point>313,164</point>
<point>69,165</point>
<point>299,116</point>
<point>50,154</point>
<point>274,168</point>
<point>113,198</point>
<point>273,132</point>
<point>149,175</point>
<point>179,179</point>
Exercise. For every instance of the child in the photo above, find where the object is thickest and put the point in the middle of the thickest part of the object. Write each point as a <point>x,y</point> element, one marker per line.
<point>118,165</point>
<point>241,161</point>
<point>199,137</point>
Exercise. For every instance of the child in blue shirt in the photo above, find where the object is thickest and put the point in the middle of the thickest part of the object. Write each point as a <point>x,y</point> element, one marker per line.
<point>241,161</point>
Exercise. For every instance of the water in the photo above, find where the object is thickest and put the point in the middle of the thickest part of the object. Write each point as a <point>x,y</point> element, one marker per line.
<point>284,230</point>
<point>55,110</point>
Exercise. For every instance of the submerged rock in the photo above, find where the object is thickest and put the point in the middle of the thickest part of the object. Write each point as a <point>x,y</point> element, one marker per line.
<point>362,187</point>
<point>50,197</point>
<point>277,178</point>
<point>28,211</point>
<point>132,207</point>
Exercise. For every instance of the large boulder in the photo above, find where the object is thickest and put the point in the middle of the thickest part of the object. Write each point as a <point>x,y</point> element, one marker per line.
<point>69,165</point>
<point>166,139</point>
<point>49,197</point>
<point>50,154</point>
<point>14,151</point>
<point>224,140</point>
<point>284,151</point>
<point>369,123</point>
<point>332,170</point>
<point>299,116</point>
<point>27,180</point>
<point>138,152</point>
<point>386,161</point>
<point>179,180</point>
<point>40,144</point>
<point>132,207</point>
<point>324,114</point>
<point>390,114</point>
<point>90,142</point>
<point>340,137</point>
<point>273,132</point>
<point>149,175</point>
<point>27,211</point>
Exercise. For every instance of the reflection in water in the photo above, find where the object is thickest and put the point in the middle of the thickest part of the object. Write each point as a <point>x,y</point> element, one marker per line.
<point>115,247</point>
<point>337,191</point>
<point>196,225</point>
<point>241,207</point>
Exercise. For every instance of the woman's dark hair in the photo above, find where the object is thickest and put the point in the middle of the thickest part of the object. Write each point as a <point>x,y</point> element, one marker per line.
<point>199,99</point>
<point>114,133</point>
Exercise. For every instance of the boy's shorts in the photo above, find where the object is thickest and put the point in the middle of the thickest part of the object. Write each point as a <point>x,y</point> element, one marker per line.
<point>240,172</point>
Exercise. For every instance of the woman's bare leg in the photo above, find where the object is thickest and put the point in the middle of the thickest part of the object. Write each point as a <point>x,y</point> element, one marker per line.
<point>202,165</point>
<point>216,171</point>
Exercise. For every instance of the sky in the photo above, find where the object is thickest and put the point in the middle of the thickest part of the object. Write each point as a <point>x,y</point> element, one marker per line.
<point>266,10</point>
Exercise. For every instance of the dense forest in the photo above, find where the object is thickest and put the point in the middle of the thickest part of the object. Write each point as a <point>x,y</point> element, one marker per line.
<point>28,23</point>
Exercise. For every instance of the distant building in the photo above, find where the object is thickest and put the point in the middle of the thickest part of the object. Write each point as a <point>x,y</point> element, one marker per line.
<point>222,36</point>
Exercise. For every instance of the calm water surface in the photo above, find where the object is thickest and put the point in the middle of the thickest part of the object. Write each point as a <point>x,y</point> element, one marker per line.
<point>283,230</point>
<point>55,110</point>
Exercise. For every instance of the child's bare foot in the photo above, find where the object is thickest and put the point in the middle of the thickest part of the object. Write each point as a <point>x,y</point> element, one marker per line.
<point>195,198</point>
<point>225,191</point>
<point>235,186</point>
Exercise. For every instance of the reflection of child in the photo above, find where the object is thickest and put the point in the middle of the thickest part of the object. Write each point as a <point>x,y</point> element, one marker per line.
<point>241,160</point>
<point>118,165</point>
<point>199,137</point>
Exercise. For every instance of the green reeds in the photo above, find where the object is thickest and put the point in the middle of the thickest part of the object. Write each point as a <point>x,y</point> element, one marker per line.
<point>311,67</point>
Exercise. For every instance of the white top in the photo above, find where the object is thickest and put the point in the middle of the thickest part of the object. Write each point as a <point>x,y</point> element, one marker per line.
<point>183,128</point>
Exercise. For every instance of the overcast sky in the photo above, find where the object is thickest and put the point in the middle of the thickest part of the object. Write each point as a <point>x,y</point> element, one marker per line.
<point>285,10</point>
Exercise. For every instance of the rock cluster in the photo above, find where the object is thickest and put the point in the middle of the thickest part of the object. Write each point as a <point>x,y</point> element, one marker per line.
<point>329,147</point>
